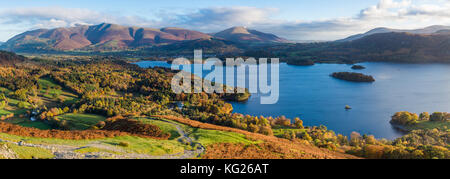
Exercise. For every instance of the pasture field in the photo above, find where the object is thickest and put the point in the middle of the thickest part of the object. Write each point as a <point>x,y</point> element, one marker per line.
<point>81,121</point>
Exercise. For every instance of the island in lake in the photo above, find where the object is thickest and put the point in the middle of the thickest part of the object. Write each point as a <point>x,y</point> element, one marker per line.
<point>301,62</point>
<point>358,67</point>
<point>354,77</point>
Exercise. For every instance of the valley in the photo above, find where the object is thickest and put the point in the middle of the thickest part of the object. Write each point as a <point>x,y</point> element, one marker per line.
<point>109,108</point>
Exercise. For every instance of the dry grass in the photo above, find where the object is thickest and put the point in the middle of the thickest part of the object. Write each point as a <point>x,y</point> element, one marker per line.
<point>69,135</point>
<point>271,148</point>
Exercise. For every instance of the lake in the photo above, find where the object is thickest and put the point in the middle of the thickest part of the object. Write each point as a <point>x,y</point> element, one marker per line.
<point>310,93</point>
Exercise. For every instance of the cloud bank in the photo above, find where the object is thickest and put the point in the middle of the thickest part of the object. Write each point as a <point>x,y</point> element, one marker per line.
<point>403,14</point>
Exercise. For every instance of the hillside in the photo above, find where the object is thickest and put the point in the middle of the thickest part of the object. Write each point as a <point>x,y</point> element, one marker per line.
<point>112,37</point>
<point>389,47</point>
<point>8,58</point>
<point>209,46</point>
<point>426,30</point>
<point>244,35</point>
<point>98,37</point>
<point>80,111</point>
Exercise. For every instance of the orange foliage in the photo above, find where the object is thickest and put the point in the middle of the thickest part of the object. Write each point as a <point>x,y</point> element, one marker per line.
<point>272,147</point>
<point>13,129</point>
<point>119,123</point>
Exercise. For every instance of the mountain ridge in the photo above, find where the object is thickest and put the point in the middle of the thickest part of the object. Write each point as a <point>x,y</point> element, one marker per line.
<point>242,34</point>
<point>102,36</point>
<point>110,37</point>
<point>402,47</point>
<point>426,30</point>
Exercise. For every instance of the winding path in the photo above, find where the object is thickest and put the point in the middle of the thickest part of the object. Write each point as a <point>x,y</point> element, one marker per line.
<point>69,152</point>
<point>184,138</point>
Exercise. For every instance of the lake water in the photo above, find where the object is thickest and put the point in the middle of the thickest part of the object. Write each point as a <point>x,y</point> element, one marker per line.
<point>310,93</point>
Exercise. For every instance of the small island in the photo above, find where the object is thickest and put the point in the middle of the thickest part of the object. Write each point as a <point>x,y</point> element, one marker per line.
<point>301,62</point>
<point>358,67</point>
<point>354,77</point>
<point>347,107</point>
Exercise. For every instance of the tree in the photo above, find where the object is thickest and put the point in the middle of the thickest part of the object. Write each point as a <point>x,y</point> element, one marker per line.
<point>110,113</point>
<point>2,104</point>
<point>298,123</point>
<point>355,139</point>
<point>438,116</point>
<point>342,140</point>
<point>21,94</point>
<point>371,140</point>
<point>425,116</point>
<point>306,136</point>
<point>266,130</point>
<point>253,128</point>
<point>404,118</point>
<point>21,105</point>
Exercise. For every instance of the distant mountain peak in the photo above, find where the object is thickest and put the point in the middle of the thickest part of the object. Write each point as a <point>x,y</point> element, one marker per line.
<point>239,30</point>
<point>426,30</point>
<point>104,36</point>
<point>109,37</point>
<point>243,34</point>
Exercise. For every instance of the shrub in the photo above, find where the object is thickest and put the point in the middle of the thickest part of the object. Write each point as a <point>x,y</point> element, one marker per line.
<point>425,116</point>
<point>124,144</point>
<point>439,116</point>
<point>133,127</point>
<point>404,118</point>
<point>21,105</point>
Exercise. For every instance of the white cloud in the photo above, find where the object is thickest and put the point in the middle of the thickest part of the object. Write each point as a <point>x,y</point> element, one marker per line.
<point>50,17</point>
<point>224,17</point>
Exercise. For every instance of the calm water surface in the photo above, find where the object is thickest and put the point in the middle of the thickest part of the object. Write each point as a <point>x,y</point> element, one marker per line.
<point>311,94</point>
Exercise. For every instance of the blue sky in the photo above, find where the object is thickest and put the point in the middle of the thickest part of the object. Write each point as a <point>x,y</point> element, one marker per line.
<point>291,9</point>
<point>292,19</point>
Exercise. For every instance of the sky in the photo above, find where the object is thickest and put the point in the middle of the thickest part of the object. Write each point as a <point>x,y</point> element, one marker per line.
<point>291,19</point>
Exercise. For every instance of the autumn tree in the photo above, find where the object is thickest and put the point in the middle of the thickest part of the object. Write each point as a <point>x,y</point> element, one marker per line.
<point>404,118</point>
<point>298,123</point>
<point>425,116</point>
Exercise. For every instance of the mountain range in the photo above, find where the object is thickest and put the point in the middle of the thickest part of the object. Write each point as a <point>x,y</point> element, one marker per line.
<point>116,37</point>
<point>430,44</point>
<point>388,47</point>
<point>426,30</point>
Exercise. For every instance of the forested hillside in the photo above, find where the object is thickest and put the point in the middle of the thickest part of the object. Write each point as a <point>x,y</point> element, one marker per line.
<point>132,112</point>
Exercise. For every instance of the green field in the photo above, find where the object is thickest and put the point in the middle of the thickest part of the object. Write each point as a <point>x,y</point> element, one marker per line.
<point>12,106</point>
<point>75,121</point>
<point>25,122</point>
<point>280,131</point>
<point>208,137</point>
<point>4,112</point>
<point>429,125</point>
<point>84,150</point>
<point>24,152</point>
<point>49,89</point>
<point>202,136</point>
<point>81,121</point>
<point>164,126</point>
<point>5,91</point>
<point>136,145</point>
